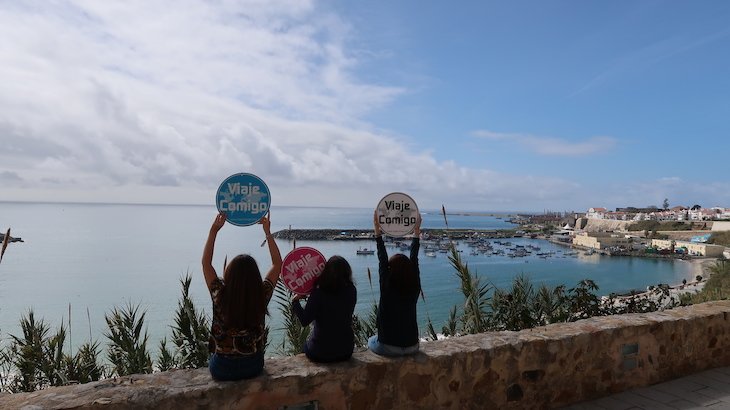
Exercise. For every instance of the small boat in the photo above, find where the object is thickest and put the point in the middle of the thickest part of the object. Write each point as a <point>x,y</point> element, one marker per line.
<point>365,251</point>
<point>430,254</point>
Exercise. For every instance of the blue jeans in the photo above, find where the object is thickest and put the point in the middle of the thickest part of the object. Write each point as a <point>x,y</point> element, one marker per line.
<point>383,349</point>
<point>228,368</point>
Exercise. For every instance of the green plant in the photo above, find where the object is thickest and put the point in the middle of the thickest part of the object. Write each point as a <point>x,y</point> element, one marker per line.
<point>364,328</point>
<point>127,343</point>
<point>5,369</point>
<point>551,305</point>
<point>430,330</point>
<point>36,360</point>
<point>26,354</point>
<point>583,301</point>
<point>512,309</point>
<point>295,335</point>
<point>452,324</point>
<point>474,317</point>
<point>166,358</point>
<point>85,366</point>
<point>191,331</point>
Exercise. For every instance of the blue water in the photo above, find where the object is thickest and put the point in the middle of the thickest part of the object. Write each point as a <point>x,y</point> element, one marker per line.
<point>93,257</point>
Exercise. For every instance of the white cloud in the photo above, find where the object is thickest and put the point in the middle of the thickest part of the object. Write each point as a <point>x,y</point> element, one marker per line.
<point>148,102</point>
<point>550,145</point>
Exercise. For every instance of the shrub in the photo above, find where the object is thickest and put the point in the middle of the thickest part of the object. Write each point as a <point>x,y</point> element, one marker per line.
<point>127,349</point>
<point>190,333</point>
<point>295,335</point>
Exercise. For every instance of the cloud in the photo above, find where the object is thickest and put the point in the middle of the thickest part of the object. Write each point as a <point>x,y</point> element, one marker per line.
<point>551,146</point>
<point>143,102</point>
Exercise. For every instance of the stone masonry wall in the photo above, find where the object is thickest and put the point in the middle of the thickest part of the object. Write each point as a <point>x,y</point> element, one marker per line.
<point>545,367</point>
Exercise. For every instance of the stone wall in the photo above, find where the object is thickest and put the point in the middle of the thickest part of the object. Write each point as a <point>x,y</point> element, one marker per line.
<point>546,367</point>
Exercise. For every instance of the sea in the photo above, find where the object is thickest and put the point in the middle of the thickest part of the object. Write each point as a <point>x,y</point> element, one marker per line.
<point>77,262</point>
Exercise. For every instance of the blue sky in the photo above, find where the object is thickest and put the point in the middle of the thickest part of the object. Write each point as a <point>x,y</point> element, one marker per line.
<point>558,105</point>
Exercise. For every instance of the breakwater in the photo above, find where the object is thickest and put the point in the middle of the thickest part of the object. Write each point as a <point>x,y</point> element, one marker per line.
<point>368,234</point>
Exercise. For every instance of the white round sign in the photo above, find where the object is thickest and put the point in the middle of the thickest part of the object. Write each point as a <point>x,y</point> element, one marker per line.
<point>397,214</point>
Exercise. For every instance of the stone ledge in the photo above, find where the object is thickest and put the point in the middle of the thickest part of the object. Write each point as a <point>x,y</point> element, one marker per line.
<point>549,366</point>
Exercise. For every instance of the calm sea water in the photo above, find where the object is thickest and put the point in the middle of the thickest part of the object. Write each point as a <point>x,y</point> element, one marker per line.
<point>94,257</point>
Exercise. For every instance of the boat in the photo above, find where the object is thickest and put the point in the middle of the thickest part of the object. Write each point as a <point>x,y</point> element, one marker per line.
<point>365,251</point>
<point>430,254</point>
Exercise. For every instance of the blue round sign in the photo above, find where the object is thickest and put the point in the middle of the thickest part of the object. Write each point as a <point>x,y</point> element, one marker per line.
<point>244,198</point>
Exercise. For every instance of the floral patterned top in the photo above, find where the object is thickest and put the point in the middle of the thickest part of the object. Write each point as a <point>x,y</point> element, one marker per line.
<point>233,341</point>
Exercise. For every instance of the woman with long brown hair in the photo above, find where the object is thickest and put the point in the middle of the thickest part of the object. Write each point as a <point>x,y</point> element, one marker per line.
<point>238,335</point>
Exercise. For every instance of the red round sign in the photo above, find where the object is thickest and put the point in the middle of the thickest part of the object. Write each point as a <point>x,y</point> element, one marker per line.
<point>301,268</point>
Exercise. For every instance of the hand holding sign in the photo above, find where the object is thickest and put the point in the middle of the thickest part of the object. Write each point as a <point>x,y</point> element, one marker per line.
<point>301,268</point>
<point>396,215</point>
<point>244,198</point>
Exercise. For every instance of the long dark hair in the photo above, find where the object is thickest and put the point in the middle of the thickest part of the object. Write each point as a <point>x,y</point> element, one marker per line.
<point>403,275</point>
<point>242,302</point>
<point>336,275</point>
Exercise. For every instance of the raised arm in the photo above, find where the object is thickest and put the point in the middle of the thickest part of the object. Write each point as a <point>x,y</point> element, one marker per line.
<point>309,312</point>
<point>273,274</point>
<point>382,253</point>
<point>416,240</point>
<point>414,250</point>
<point>208,271</point>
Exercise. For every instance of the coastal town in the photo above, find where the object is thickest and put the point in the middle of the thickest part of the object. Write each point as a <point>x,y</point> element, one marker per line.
<point>679,231</point>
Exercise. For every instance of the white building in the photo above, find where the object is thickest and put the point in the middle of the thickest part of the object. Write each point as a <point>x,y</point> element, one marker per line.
<point>596,213</point>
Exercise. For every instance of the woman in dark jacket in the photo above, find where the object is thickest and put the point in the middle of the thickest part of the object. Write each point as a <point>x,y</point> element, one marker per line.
<point>330,307</point>
<point>400,285</point>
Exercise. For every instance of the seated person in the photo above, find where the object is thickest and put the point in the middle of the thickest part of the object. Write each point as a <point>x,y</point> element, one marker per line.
<point>400,285</point>
<point>330,307</point>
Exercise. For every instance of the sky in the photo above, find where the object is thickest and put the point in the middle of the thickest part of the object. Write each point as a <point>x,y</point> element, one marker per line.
<point>477,105</point>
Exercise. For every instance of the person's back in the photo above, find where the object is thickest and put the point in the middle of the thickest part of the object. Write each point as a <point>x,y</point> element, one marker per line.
<point>238,336</point>
<point>400,286</point>
<point>397,319</point>
<point>330,307</point>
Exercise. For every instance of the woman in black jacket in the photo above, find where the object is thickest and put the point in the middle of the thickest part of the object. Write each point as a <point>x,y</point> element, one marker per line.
<point>330,307</point>
<point>400,285</point>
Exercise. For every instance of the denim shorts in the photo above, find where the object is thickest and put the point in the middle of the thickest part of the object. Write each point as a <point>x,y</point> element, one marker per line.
<point>383,349</point>
<point>228,368</point>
